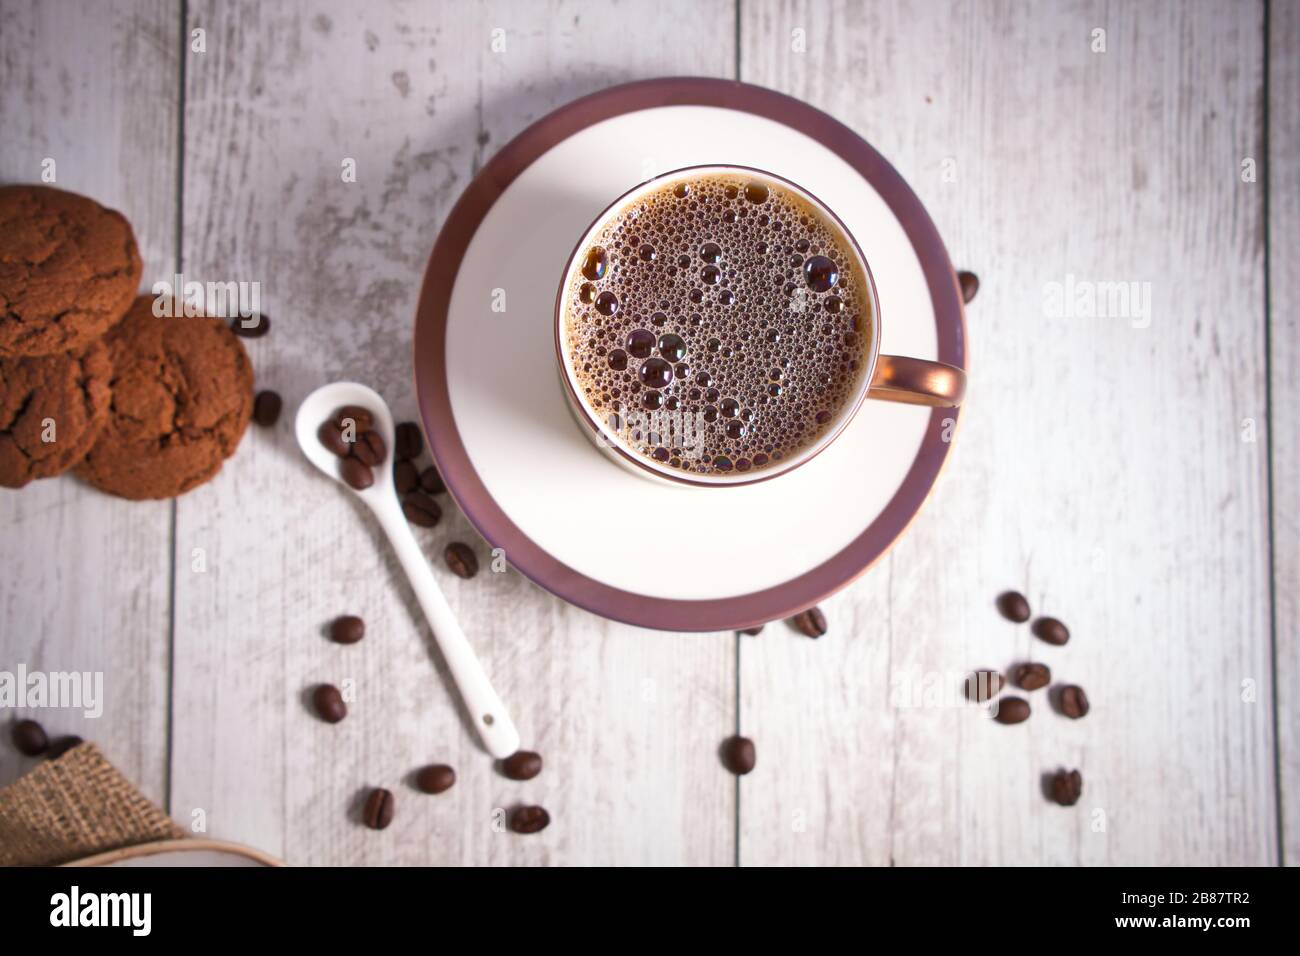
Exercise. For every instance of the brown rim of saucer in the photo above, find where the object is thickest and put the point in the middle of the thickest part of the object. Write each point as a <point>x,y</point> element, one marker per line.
<point>464,483</point>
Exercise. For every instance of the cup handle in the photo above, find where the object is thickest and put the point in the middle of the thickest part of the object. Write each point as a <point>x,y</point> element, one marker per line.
<point>917,382</point>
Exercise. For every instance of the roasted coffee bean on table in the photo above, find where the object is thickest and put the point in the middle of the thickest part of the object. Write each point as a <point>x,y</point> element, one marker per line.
<point>347,629</point>
<point>431,481</point>
<point>257,326</point>
<point>461,559</point>
<point>266,408</point>
<point>811,623</point>
<point>529,819</point>
<point>408,441</point>
<point>420,509</point>
<point>1051,630</point>
<point>522,765</point>
<point>1067,787</point>
<point>369,449</point>
<point>329,704</point>
<point>983,686</point>
<point>738,755</point>
<point>62,745</point>
<point>357,474</point>
<point>1011,710</point>
<point>30,738</point>
<point>753,631</point>
<point>1073,701</point>
<point>332,438</point>
<point>378,812</point>
<point>435,778</point>
<point>970,285</point>
<point>1032,676</point>
<point>405,477</point>
<point>1014,606</point>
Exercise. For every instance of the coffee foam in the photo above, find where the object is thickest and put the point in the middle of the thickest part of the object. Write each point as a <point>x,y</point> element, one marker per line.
<point>704,328</point>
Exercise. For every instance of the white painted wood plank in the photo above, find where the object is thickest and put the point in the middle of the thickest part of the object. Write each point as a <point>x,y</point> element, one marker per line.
<point>1101,466</point>
<point>1284,323</point>
<point>628,721</point>
<point>86,576</point>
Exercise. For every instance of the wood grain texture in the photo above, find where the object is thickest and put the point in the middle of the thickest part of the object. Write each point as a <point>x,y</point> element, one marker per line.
<point>1284,340</point>
<point>627,720</point>
<point>86,576</point>
<point>1105,467</point>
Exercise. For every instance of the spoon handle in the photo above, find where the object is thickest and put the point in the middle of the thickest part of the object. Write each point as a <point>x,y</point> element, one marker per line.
<point>486,710</point>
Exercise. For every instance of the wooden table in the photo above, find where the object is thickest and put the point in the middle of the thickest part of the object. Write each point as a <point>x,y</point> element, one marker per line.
<point>1135,475</point>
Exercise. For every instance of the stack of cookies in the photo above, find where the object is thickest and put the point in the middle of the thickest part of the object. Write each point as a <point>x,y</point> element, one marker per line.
<point>141,405</point>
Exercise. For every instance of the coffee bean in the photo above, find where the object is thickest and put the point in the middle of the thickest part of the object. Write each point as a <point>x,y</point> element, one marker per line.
<point>1011,710</point>
<point>369,449</point>
<point>435,778</point>
<point>347,629</point>
<point>753,631</point>
<point>461,559</point>
<point>529,820</point>
<point>1067,787</point>
<point>30,738</point>
<point>252,327</point>
<point>420,509</point>
<point>360,417</point>
<point>408,441</point>
<point>332,438</point>
<point>378,812</point>
<point>431,481</point>
<point>1032,676</point>
<point>983,686</point>
<point>266,408</point>
<point>1051,630</point>
<point>357,474</point>
<point>405,477</point>
<point>522,765</point>
<point>811,623</point>
<point>970,284</point>
<point>738,755</point>
<point>62,745</point>
<point>329,703</point>
<point>1014,606</point>
<point>1074,702</point>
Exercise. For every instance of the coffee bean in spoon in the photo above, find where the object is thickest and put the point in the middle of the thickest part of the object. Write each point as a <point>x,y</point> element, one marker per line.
<point>1011,710</point>
<point>378,812</point>
<point>1073,702</point>
<point>1051,630</point>
<point>251,327</point>
<point>62,745</point>
<point>347,629</point>
<point>1014,606</point>
<point>1031,676</point>
<point>369,449</point>
<point>329,703</point>
<point>435,778</point>
<point>1067,787</point>
<point>738,755</point>
<point>811,623</point>
<point>408,441</point>
<point>405,477</point>
<point>356,473</point>
<point>30,738</point>
<point>358,416</point>
<point>529,819</point>
<point>332,438</point>
<point>431,481</point>
<point>522,765</point>
<point>420,509</point>
<point>983,686</point>
<point>461,559</point>
<point>266,408</point>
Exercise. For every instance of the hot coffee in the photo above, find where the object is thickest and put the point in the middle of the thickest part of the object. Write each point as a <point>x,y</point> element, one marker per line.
<point>718,324</point>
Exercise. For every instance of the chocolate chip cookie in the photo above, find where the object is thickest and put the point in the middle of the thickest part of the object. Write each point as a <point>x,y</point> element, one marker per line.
<point>182,396</point>
<point>69,269</point>
<point>52,408</point>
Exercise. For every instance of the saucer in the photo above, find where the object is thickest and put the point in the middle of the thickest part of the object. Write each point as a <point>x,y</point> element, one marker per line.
<point>499,426</point>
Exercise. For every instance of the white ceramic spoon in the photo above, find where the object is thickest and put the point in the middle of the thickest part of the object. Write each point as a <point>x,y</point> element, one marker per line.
<point>494,725</point>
